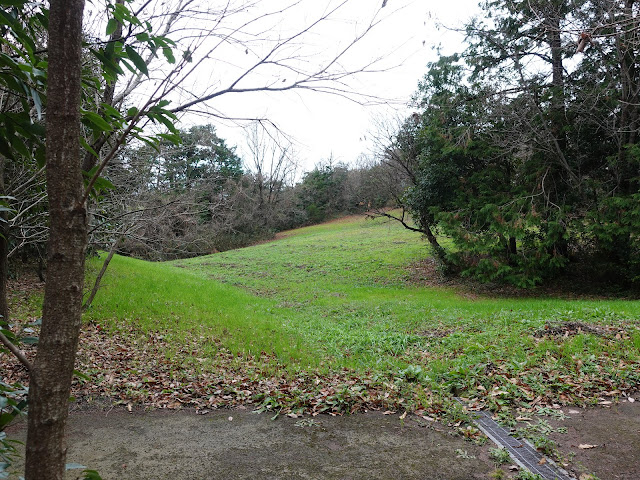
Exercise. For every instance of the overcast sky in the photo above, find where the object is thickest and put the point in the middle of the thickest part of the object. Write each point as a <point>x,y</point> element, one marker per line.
<point>324,125</point>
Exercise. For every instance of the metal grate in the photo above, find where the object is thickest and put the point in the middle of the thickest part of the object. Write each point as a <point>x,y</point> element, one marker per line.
<point>521,451</point>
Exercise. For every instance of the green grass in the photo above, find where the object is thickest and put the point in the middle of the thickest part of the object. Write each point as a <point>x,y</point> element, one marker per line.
<point>340,295</point>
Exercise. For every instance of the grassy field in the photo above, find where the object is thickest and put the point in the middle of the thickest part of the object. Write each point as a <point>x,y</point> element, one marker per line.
<point>342,297</point>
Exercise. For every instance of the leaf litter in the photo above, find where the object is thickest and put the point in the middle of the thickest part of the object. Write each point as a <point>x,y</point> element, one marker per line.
<point>134,368</point>
<point>147,369</point>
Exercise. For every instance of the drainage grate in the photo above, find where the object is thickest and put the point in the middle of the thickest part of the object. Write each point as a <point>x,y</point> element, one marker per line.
<point>521,452</point>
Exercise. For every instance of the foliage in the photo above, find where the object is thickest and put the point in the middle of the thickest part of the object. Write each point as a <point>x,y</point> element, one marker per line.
<point>180,201</point>
<point>499,455</point>
<point>201,157</point>
<point>23,81</point>
<point>520,161</point>
<point>322,192</point>
<point>13,403</point>
<point>527,475</point>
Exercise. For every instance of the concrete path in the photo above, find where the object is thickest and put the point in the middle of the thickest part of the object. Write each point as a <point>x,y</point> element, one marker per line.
<point>236,444</point>
<point>611,436</point>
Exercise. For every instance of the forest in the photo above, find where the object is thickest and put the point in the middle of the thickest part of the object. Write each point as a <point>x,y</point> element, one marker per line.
<point>519,164</point>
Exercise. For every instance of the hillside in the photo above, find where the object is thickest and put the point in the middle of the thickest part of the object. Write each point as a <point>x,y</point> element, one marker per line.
<point>329,318</point>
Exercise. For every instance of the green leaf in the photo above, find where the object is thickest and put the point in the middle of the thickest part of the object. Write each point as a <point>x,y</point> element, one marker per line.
<point>172,137</point>
<point>35,96</point>
<point>9,334</point>
<point>88,147</point>
<point>101,184</point>
<point>5,149</point>
<point>74,466</point>
<point>168,53</point>
<point>8,62</point>
<point>111,111</point>
<point>121,12</point>
<point>142,37</point>
<point>97,121</point>
<point>137,60</point>
<point>5,419</point>
<point>19,146</point>
<point>132,112</point>
<point>81,375</point>
<point>112,25</point>
<point>166,122</point>
<point>130,67</point>
<point>109,65</point>
<point>91,475</point>
<point>29,340</point>
<point>41,156</point>
<point>153,143</point>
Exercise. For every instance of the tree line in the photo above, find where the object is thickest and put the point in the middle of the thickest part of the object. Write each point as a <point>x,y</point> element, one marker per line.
<point>199,196</point>
<point>523,148</point>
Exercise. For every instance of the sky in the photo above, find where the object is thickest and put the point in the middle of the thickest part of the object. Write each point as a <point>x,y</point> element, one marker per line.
<point>324,125</point>
<point>404,40</point>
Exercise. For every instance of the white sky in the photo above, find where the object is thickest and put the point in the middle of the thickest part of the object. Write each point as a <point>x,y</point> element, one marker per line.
<point>324,125</point>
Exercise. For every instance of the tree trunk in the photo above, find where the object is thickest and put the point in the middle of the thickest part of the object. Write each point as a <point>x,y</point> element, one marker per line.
<point>630,96</point>
<point>4,253</point>
<point>558,101</point>
<point>105,265</point>
<point>50,382</point>
<point>438,251</point>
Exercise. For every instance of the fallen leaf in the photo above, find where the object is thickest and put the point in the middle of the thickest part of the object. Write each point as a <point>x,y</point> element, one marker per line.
<point>542,461</point>
<point>631,399</point>
<point>574,412</point>
<point>585,446</point>
<point>230,419</point>
<point>403,416</point>
<point>389,412</point>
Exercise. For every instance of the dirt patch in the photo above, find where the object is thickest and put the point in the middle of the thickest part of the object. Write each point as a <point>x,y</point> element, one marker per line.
<point>602,441</point>
<point>236,444</point>
<point>435,333</point>
<point>568,329</point>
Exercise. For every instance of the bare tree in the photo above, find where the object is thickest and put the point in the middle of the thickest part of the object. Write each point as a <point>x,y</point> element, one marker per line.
<point>396,151</point>
<point>273,165</point>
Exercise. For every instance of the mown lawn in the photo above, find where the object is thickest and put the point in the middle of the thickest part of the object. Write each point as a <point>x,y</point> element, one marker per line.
<point>340,300</point>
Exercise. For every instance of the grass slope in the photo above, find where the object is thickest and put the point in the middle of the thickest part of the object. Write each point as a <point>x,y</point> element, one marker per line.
<point>338,296</point>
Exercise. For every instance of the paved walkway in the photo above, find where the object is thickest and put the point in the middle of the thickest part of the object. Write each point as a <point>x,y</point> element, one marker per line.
<point>237,444</point>
<point>241,445</point>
